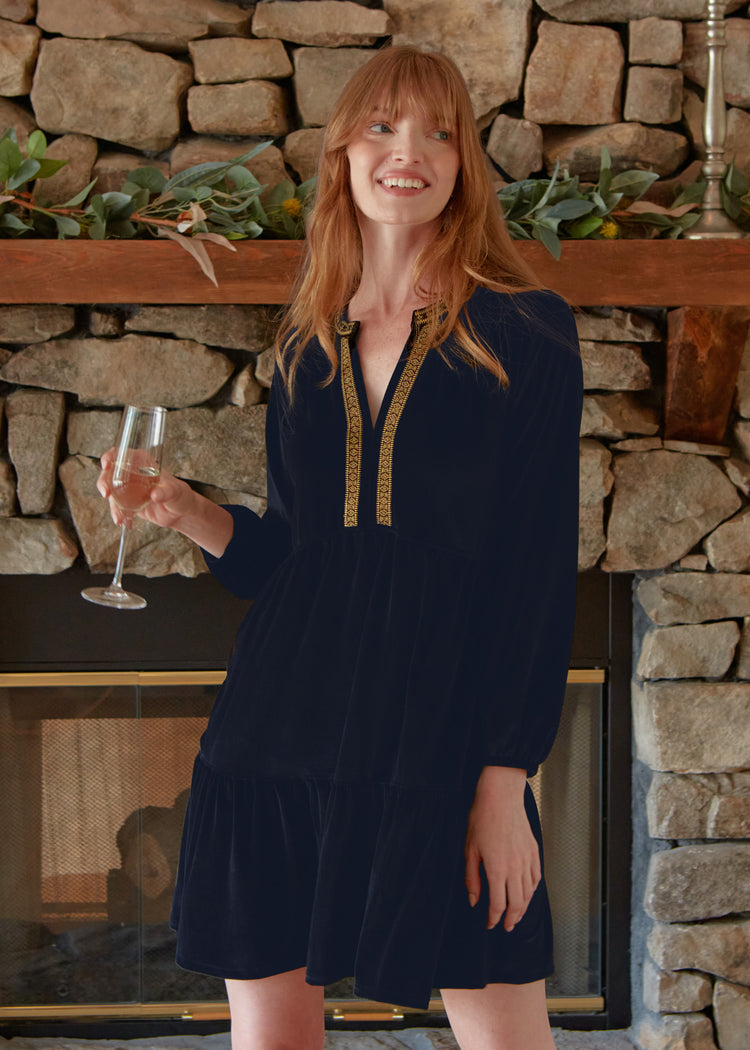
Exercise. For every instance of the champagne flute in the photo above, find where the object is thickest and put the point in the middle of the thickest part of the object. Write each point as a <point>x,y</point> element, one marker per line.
<point>135,472</point>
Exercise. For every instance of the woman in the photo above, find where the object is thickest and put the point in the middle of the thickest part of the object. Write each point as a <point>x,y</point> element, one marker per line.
<point>359,805</point>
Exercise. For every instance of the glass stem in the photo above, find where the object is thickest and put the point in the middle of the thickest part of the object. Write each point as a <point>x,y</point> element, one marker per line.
<point>117,578</point>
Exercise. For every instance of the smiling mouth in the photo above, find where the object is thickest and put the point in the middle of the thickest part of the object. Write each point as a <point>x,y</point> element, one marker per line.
<point>404,184</point>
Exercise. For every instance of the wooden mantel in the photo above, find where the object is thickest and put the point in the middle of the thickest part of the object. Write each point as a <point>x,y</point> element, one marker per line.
<point>589,273</point>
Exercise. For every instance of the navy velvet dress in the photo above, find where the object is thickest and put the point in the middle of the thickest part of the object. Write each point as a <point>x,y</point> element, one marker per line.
<point>414,592</point>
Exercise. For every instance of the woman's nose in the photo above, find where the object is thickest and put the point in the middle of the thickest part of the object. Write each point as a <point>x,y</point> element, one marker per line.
<point>407,147</point>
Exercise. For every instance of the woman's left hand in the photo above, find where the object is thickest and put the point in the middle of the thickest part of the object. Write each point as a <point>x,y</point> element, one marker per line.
<point>500,836</point>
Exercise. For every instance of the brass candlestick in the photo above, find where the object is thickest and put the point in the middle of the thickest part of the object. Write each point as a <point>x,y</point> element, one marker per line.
<point>714,222</point>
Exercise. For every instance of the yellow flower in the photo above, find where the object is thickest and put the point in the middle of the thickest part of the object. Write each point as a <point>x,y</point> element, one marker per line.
<point>609,229</point>
<point>292,207</point>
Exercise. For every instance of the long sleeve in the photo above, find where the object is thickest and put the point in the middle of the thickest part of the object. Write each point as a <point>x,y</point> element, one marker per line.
<point>259,544</point>
<point>528,601</point>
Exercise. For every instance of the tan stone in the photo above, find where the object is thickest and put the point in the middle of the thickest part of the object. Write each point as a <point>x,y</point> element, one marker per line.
<point>134,369</point>
<point>235,327</point>
<point>35,545</point>
<point>151,551</point>
<point>91,433</point>
<point>246,390</point>
<point>78,85</point>
<point>655,41</point>
<point>698,882</point>
<point>106,325</point>
<point>666,991</point>
<point>516,146</point>
<point>654,96</point>
<point>166,26</point>
<point>664,503</point>
<point>692,727</point>
<point>743,664</point>
<point>595,483</point>
<point>690,1031</point>
<point>35,421</point>
<point>267,166</point>
<point>697,448</point>
<point>255,107</point>
<point>616,416</point>
<point>699,806</point>
<point>736,62</point>
<point>264,367</point>
<point>720,947</point>
<point>302,150</point>
<point>229,59</point>
<point>18,10</point>
<point>320,77</point>
<point>728,547</point>
<point>80,153</point>
<point>34,324</point>
<point>742,434</point>
<point>694,562</point>
<point>630,145</point>
<point>637,445</point>
<point>693,597</point>
<point>321,23</point>
<point>113,168</point>
<point>613,366</point>
<point>732,1015</point>
<point>19,45</point>
<point>743,382</point>
<point>574,75</point>
<point>738,473</point>
<point>244,499</point>
<point>14,116</point>
<point>7,490</point>
<point>609,324</point>
<point>626,10</point>
<point>688,651</point>
<point>491,58</point>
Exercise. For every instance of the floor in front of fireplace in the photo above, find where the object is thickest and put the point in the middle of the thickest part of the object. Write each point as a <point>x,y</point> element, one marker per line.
<point>408,1039</point>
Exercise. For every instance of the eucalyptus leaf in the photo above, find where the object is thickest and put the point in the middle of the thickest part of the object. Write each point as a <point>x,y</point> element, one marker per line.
<point>633,183</point>
<point>570,209</point>
<point>735,181</point>
<point>11,157</point>
<point>26,171</point>
<point>36,147</point>
<point>96,207</point>
<point>549,239</point>
<point>147,178</point>
<point>12,222</point>
<point>79,197</point>
<point>585,226</point>
<point>66,227</point>
<point>97,230</point>
<point>48,166</point>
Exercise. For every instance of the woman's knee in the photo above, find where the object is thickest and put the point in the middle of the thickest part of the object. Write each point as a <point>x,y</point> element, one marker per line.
<point>281,1012</point>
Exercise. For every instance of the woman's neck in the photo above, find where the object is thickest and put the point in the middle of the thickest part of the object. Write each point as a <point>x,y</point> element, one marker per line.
<point>388,257</point>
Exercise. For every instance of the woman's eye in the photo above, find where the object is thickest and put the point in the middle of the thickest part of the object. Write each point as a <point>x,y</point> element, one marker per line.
<point>444,136</point>
<point>379,126</point>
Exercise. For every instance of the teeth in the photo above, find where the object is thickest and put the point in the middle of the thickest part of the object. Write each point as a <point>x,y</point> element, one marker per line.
<point>404,184</point>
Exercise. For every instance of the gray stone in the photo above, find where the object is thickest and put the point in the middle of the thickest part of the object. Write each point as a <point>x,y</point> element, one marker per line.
<point>264,367</point>
<point>321,23</point>
<point>688,651</point>
<point>743,664</point>
<point>166,26</point>
<point>720,947</point>
<point>35,545</point>
<point>78,85</point>
<point>18,10</point>
<point>613,366</point>
<point>19,45</point>
<point>637,445</point>
<point>80,153</point>
<point>664,503</point>
<point>699,806</point>
<point>246,390</point>
<point>35,421</point>
<point>698,882</point>
<point>516,146</point>
<point>694,562</point>
<point>630,145</point>
<point>655,41</point>
<point>137,369</point>
<point>654,96</point>
<point>616,416</point>
<point>7,490</point>
<point>254,107</point>
<point>106,325</point>
<point>691,1031</point>
<point>229,59</point>
<point>626,10</point>
<point>151,551</point>
<point>34,324</point>
<point>609,324</point>
<point>595,483</point>
<point>268,166</point>
<point>574,75</point>
<point>697,448</point>
<point>736,61</point>
<point>742,435</point>
<point>302,149</point>
<point>257,504</point>
<point>732,1015</point>
<point>112,169</point>
<point>320,75</point>
<point>234,327</point>
<point>491,59</point>
<point>14,116</point>
<point>692,727</point>
<point>694,597</point>
<point>728,547</point>
<point>667,991</point>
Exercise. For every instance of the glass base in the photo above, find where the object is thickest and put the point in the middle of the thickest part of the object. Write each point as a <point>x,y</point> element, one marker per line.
<point>114,597</point>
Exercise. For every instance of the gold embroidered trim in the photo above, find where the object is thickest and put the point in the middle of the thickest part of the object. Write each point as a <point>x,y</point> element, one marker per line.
<point>414,361</point>
<point>353,469</point>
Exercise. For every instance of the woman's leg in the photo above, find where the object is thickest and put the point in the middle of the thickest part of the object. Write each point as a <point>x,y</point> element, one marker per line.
<point>282,1012</point>
<point>499,1017</point>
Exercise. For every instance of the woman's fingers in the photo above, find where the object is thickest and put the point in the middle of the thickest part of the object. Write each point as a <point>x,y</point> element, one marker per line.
<point>472,878</point>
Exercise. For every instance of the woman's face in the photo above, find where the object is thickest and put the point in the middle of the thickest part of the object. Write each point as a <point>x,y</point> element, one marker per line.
<point>402,172</point>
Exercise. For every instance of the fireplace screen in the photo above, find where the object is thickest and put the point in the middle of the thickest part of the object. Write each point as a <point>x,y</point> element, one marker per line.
<point>93,787</point>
